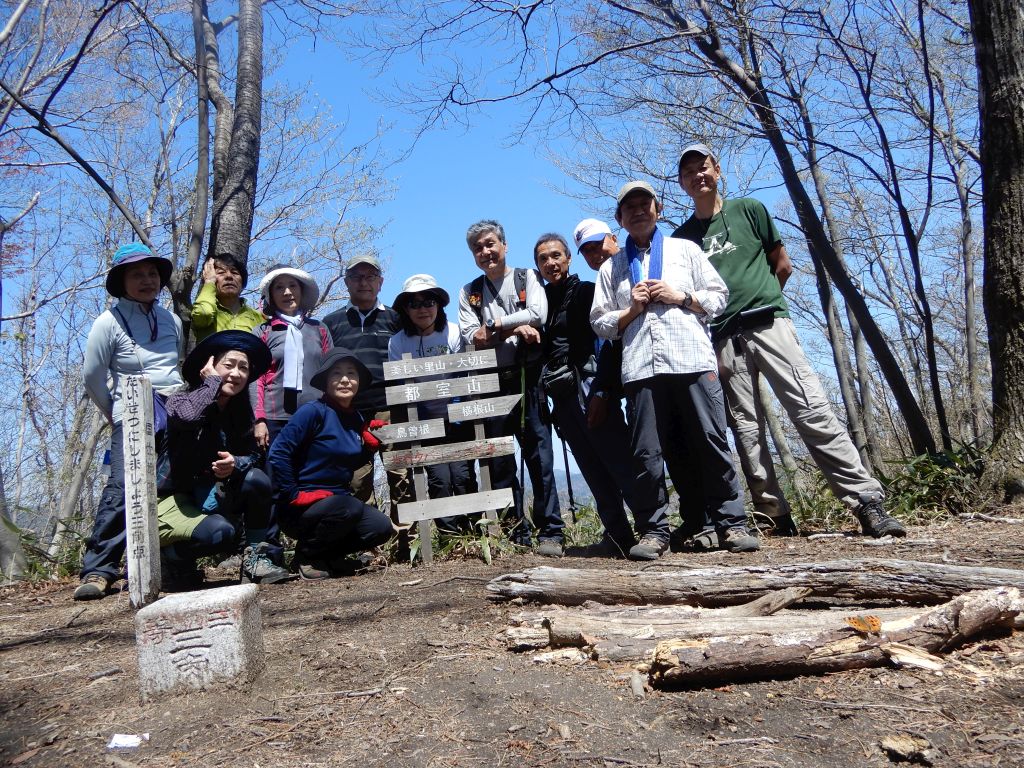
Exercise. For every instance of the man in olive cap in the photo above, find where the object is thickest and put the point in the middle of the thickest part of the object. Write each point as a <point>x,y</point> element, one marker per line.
<point>753,336</point>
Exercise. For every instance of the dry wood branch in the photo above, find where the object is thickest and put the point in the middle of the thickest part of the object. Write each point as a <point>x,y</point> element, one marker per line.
<point>720,659</point>
<point>638,643</point>
<point>972,516</point>
<point>910,581</point>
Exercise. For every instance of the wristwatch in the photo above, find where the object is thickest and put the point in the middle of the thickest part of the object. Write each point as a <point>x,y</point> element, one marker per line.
<point>688,301</point>
<point>490,325</point>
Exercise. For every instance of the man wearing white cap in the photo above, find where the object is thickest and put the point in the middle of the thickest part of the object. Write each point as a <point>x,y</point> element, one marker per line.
<point>754,335</point>
<point>658,295</point>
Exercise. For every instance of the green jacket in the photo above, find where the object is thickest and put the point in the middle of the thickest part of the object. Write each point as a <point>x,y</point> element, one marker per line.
<point>209,317</point>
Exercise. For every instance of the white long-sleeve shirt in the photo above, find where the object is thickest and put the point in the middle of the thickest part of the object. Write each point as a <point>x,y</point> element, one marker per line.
<point>503,302</point>
<point>110,352</point>
<point>665,338</point>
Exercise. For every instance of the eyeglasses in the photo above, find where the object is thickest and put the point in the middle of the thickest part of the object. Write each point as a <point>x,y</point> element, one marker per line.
<point>426,303</point>
<point>357,278</point>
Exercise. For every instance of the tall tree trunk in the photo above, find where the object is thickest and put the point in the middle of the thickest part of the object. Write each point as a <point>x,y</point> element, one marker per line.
<point>771,417</point>
<point>998,28</point>
<point>205,42</point>
<point>13,563</point>
<point>977,402</point>
<point>867,395</point>
<point>78,466</point>
<point>836,335</point>
<point>231,227</point>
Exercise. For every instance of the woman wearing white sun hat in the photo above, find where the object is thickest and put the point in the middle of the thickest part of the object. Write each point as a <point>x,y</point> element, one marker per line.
<point>297,343</point>
<point>426,332</point>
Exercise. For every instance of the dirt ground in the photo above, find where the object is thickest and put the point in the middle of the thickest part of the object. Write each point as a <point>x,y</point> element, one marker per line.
<point>404,667</point>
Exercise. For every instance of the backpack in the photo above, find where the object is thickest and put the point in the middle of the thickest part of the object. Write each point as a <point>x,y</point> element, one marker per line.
<point>518,281</point>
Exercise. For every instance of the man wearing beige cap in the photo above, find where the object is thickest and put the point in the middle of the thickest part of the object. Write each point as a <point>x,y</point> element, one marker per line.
<point>753,336</point>
<point>658,295</point>
<point>365,327</point>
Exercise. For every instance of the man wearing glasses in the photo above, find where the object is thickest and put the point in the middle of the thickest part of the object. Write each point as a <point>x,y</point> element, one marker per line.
<point>366,326</point>
<point>753,336</point>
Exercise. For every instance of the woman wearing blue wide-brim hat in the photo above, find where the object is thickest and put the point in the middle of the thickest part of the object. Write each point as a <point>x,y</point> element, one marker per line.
<point>136,336</point>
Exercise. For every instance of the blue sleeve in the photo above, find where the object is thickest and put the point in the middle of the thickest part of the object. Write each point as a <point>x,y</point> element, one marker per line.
<point>289,450</point>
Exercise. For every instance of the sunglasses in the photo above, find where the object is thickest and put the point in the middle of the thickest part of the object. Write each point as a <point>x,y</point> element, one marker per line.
<point>422,303</point>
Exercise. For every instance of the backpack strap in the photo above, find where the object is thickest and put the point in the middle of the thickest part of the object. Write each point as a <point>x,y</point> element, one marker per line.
<point>519,282</point>
<point>477,288</point>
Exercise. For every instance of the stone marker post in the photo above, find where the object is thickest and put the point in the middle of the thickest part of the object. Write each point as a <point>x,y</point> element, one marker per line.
<point>143,543</point>
<point>193,640</point>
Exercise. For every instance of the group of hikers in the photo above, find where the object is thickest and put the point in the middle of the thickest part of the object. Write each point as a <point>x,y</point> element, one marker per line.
<point>268,424</point>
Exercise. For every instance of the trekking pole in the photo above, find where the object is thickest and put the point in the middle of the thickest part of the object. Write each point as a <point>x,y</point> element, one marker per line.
<point>568,480</point>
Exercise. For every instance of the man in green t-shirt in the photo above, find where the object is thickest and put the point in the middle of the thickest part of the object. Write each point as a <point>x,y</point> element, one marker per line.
<point>754,336</point>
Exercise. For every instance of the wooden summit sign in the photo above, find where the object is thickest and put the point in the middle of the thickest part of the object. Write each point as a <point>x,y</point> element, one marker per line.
<point>469,383</point>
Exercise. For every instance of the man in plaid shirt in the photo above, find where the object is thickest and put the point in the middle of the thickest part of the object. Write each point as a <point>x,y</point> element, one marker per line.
<point>659,294</point>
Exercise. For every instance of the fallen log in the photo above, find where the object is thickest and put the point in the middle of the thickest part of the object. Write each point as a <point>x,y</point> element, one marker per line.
<point>909,581</point>
<point>641,627</point>
<point>625,642</point>
<point>681,662</point>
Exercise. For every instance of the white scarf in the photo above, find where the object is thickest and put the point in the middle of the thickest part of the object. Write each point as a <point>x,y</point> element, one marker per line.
<point>293,352</point>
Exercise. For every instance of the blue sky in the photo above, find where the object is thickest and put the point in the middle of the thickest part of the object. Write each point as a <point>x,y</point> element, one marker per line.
<point>450,178</point>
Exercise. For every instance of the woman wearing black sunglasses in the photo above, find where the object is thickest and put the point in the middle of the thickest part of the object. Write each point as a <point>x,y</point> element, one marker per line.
<point>426,332</point>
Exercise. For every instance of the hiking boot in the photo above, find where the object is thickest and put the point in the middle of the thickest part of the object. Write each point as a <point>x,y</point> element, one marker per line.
<point>313,571</point>
<point>702,541</point>
<point>258,568</point>
<point>606,547</point>
<point>93,587</point>
<point>783,525</point>
<point>549,548</point>
<point>232,563</point>
<point>351,565</point>
<point>739,539</point>
<point>874,520</point>
<point>651,547</point>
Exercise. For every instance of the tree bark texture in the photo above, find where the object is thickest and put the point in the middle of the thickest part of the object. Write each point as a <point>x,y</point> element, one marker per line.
<point>743,657</point>
<point>231,226</point>
<point>908,581</point>
<point>998,28</point>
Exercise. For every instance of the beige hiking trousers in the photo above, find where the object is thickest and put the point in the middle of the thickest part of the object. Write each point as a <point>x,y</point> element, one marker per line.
<point>775,353</point>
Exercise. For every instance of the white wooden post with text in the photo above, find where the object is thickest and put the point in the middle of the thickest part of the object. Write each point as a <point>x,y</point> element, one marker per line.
<point>418,457</point>
<point>143,543</point>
